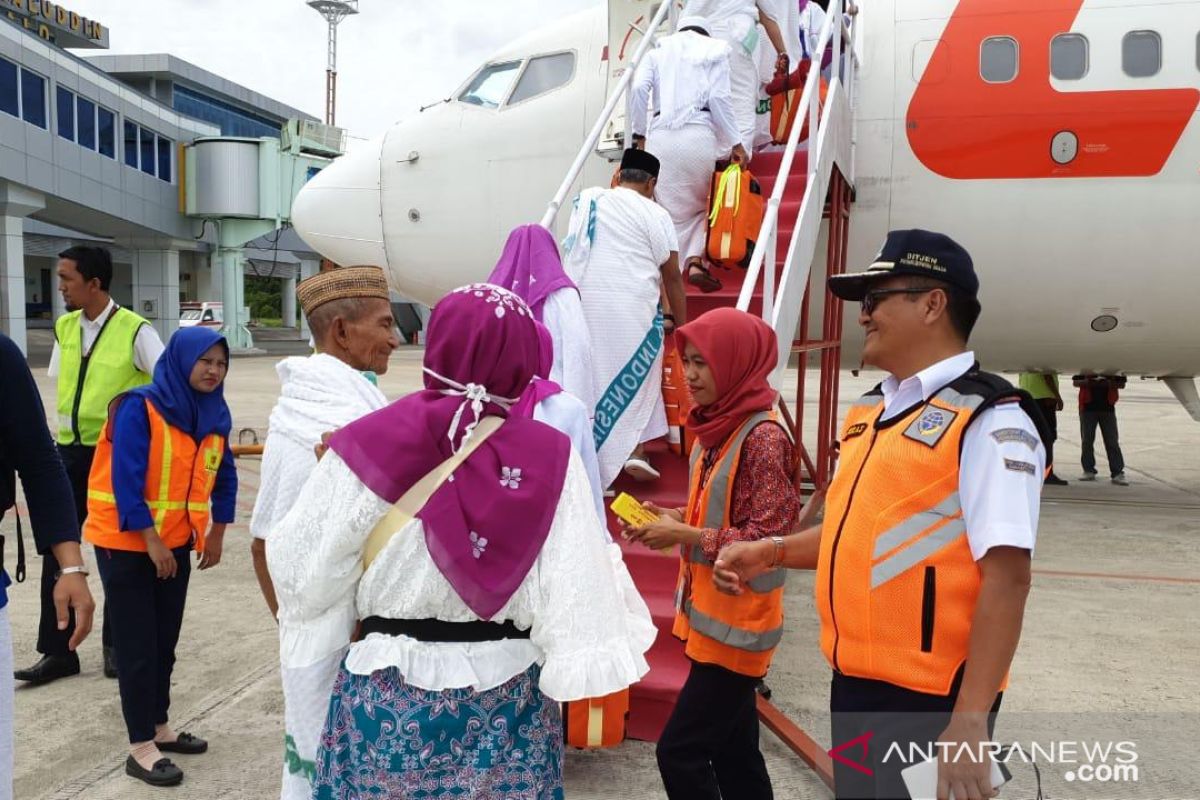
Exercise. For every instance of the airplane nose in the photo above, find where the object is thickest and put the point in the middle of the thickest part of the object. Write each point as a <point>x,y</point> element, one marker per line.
<point>338,213</point>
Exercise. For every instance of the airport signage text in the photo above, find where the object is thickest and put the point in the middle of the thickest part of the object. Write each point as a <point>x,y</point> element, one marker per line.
<point>55,23</point>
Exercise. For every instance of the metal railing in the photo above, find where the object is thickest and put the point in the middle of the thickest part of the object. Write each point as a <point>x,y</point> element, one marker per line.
<point>593,138</point>
<point>781,306</point>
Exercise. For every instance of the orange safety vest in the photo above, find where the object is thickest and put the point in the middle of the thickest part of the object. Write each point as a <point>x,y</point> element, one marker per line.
<point>737,633</point>
<point>179,480</point>
<point>896,582</point>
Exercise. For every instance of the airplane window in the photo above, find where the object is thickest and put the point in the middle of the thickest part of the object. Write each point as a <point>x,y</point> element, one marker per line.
<point>544,74</point>
<point>1141,54</point>
<point>490,86</point>
<point>1069,56</point>
<point>998,59</point>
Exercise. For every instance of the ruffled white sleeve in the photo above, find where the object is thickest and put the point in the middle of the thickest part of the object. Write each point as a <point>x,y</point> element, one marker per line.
<point>315,557</point>
<point>591,624</point>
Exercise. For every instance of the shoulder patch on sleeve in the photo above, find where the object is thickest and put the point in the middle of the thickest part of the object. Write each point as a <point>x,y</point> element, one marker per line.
<point>1003,435</point>
<point>1020,466</point>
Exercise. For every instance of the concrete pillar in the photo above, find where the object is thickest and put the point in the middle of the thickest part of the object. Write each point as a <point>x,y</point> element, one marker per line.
<point>233,287</point>
<point>156,289</point>
<point>16,203</point>
<point>307,270</point>
<point>208,284</point>
<point>289,302</point>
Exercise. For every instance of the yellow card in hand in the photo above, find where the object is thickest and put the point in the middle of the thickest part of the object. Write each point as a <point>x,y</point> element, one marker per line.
<point>631,511</point>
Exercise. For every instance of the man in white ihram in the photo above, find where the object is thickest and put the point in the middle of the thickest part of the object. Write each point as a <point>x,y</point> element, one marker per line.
<point>354,331</point>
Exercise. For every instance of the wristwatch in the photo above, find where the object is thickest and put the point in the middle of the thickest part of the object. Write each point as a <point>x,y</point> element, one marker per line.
<point>80,570</point>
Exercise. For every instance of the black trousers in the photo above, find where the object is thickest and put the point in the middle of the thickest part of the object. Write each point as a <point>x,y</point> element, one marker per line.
<point>1107,422</point>
<point>146,620</point>
<point>890,719</point>
<point>1049,407</point>
<point>51,641</point>
<point>709,749</point>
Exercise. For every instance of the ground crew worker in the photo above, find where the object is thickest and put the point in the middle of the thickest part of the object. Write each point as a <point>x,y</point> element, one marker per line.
<point>1043,388</point>
<point>163,469</point>
<point>740,490</point>
<point>923,559</point>
<point>100,351</point>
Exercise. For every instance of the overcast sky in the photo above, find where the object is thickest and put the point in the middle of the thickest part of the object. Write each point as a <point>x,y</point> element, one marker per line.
<point>394,57</point>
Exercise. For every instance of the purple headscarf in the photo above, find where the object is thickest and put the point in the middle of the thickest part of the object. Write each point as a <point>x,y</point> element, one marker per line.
<point>541,386</point>
<point>530,267</point>
<point>486,525</point>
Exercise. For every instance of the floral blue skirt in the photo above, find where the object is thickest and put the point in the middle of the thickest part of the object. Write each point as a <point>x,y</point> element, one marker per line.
<point>386,739</point>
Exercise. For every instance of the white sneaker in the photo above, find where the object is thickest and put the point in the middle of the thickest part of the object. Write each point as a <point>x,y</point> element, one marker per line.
<point>1120,480</point>
<point>1088,476</point>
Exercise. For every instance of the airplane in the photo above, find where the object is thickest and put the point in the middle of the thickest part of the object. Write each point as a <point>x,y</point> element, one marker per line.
<point>1057,140</point>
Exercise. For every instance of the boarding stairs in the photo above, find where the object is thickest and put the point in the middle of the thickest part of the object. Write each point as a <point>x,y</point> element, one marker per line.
<point>809,186</point>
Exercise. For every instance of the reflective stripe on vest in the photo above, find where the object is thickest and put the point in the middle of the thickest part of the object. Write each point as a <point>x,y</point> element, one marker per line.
<point>738,633</point>
<point>896,580</point>
<point>180,475</point>
<point>87,386</point>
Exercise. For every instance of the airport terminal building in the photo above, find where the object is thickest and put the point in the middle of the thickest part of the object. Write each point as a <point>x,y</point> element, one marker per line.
<point>91,152</point>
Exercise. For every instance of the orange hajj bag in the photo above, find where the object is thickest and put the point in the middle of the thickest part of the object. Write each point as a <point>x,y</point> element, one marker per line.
<point>785,92</point>
<point>677,399</point>
<point>736,216</point>
<point>597,721</point>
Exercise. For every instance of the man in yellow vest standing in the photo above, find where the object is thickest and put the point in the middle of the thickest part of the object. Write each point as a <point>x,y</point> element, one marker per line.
<point>923,558</point>
<point>1043,388</point>
<point>100,351</point>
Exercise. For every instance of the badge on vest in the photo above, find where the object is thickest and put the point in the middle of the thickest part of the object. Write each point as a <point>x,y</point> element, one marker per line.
<point>212,459</point>
<point>931,426</point>
<point>857,429</point>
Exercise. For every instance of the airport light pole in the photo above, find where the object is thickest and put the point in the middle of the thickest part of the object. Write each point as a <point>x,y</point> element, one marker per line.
<point>334,11</point>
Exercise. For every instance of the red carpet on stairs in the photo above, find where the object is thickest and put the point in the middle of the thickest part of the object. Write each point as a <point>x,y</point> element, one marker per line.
<point>655,573</point>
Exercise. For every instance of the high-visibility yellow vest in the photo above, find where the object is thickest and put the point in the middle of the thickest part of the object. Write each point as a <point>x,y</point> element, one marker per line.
<point>86,385</point>
<point>737,633</point>
<point>180,475</point>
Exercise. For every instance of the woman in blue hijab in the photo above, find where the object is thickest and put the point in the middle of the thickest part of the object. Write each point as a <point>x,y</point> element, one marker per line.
<point>163,469</point>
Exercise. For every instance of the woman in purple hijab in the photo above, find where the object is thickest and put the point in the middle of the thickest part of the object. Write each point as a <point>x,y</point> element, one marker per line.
<point>530,267</point>
<point>482,600</point>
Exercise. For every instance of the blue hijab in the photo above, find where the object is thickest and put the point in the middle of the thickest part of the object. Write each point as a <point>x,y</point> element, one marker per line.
<point>195,413</point>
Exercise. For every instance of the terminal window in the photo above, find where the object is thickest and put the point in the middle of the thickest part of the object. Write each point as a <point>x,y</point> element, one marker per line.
<point>82,121</point>
<point>147,151</point>
<point>232,121</point>
<point>23,94</point>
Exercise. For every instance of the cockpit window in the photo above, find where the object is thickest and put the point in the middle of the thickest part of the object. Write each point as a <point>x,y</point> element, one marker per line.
<point>491,85</point>
<point>544,74</point>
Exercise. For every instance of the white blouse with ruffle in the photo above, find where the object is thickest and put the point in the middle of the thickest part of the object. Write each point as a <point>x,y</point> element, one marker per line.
<point>589,627</point>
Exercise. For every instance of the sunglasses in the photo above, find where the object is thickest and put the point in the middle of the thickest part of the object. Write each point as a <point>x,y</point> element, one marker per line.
<point>871,300</point>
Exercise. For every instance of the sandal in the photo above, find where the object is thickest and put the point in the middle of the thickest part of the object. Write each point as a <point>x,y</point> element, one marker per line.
<point>641,470</point>
<point>185,743</point>
<point>702,279</point>
<point>164,773</point>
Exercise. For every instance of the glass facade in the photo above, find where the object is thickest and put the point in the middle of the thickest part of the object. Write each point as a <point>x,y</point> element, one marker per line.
<point>65,104</point>
<point>10,92</point>
<point>232,120</point>
<point>146,139</point>
<point>131,144</point>
<point>107,132</point>
<point>23,94</point>
<point>33,99</point>
<point>86,112</point>
<point>164,159</point>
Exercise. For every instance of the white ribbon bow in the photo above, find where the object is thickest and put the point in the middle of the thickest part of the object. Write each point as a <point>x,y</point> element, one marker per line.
<point>473,394</point>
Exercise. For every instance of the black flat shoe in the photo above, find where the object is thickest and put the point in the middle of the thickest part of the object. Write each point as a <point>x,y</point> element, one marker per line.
<point>49,668</point>
<point>110,662</point>
<point>186,744</point>
<point>164,773</point>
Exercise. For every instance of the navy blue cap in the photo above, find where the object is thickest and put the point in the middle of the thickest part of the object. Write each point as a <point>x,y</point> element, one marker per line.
<point>915,252</point>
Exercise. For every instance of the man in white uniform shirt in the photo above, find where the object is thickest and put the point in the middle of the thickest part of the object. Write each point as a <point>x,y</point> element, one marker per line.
<point>923,559</point>
<point>351,319</point>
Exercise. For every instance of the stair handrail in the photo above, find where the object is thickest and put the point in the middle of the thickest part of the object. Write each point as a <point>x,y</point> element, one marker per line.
<point>781,315</point>
<point>593,138</point>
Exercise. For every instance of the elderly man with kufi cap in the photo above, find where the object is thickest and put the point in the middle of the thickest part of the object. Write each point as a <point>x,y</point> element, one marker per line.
<point>623,254</point>
<point>350,315</point>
